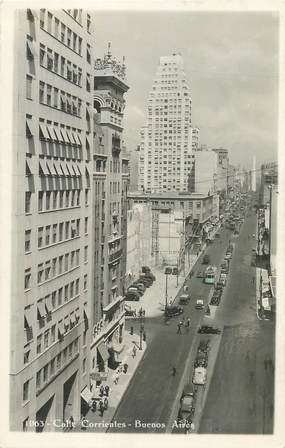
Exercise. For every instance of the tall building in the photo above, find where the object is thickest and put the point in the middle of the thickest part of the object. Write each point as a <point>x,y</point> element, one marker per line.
<point>52,238</point>
<point>109,214</point>
<point>134,169</point>
<point>205,172</point>
<point>195,135</point>
<point>165,149</point>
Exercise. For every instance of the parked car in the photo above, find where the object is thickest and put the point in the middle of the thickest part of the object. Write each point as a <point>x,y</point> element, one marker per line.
<point>199,376</point>
<point>200,274</point>
<point>150,275</point>
<point>135,289</point>
<point>129,311</point>
<point>139,285</point>
<point>184,299</point>
<point>146,281</point>
<point>219,285</point>
<point>228,256</point>
<point>174,310</point>
<point>132,296</point>
<point>145,269</point>
<point>186,408</point>
<point>199,304</point>
<point>223,278</point>
<point>188,390</point>
<point>206,259</point>
<point>209,330</point>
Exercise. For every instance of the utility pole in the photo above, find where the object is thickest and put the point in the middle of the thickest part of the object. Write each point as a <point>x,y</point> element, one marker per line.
<point>166,304</point>
<point>270,212</point>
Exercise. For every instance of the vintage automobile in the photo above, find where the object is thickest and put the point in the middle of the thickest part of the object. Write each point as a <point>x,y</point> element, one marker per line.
<point>199,304</point>
<point>199,376</point>
<point>173,310</point>
<point>184,299</point>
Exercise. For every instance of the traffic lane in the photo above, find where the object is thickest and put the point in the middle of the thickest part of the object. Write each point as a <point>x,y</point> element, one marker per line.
<point>247,346</point>
<point>152,390</point>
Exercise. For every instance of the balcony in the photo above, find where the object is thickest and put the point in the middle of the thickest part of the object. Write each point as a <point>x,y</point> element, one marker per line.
<point>115,256</point>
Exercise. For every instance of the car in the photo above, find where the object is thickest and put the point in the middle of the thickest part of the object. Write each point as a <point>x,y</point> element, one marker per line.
<point>209,330</point>
<point>199,304</point>
<point>206,259</point>
<point>129,311</point>
<point>219,285</point>
<point>186,407</point>
<point>184,299</point>
<point>146,281</point>
<point>135,289</point>
<point>173,310</point>
<point>228,256</point>
<point>139,285</point>
<point>150,275</point>
<point>200,274</point>
<point>145,269</point>
<point>223,281</point>
<point>188,390</point>
<point>223,277</point>
<point>199,376</point>
<point>132,296</point>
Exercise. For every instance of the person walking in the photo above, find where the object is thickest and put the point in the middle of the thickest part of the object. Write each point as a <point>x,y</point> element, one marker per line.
<point>134,351</point>
<point>101,408</point>
<point>179,328</point>
<point>84,423</point>
<point>173,371</point>
<point>107,390</point>
<point>105,404</point>
<point>187,325</point>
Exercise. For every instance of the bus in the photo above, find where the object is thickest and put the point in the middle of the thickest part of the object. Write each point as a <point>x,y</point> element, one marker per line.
<point>210,275</point>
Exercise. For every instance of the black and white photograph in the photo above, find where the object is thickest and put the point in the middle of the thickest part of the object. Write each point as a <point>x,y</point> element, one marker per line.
<point>141,184</point>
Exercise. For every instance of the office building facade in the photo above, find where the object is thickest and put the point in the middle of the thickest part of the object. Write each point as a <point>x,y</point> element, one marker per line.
<point>166,148</point>
<point>52,244</point>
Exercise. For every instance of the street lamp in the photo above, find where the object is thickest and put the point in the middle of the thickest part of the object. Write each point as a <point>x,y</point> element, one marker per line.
<point>142,318</point>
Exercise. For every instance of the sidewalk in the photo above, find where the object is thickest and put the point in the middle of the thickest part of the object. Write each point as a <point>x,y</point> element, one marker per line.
<point>97,423</point>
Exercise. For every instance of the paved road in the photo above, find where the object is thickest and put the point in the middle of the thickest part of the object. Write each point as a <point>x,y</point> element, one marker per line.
<point>153,390</point>
<point>240,399</point>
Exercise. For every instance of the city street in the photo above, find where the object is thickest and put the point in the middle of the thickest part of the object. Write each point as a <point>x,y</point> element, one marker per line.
<point>244,368</point>
<point>153,390</point>
<point>240,399</point>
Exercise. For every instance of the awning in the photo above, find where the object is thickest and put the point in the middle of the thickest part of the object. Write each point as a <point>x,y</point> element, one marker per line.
<point>51,132</point>
<point>74,169</point>
<point>60,329</point>
<point>79,138</point>
<point>76,139</point>
<point>272,281</point>
<point>27,318</point>
<point>51,167</point>
<point>88,110</point>
<point>88,141</point>
<point>58,168</point>
<point>30,165</point>
<point>41,310</point>
<point>86,320</point>
<point>68,100</point>
<point>102,349</point>
<point>86,395</point>
<point>31,49</point>
<point>58,134</point>
<point>77,314</point>
<point>64,135</point>
<point>48,305</point>
<point>69,169</point>
<point>44,131</point>
<point>72,319</point>
<point>70,137</point>
<point>43,167</point>
<point>31,125</point>
<point>64,169</point>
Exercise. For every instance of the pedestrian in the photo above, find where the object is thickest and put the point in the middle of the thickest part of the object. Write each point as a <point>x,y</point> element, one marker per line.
<point>84,423</point>
<point>116,379</point>
<point>134,351</point>
<point>101,408</point>
<point>187,325</point>
<point>173,371</point>
<point>71,422</point>
<point>107,390</point>
<point>106,402</point>
<point>179,328</point>
<point>101,390</point>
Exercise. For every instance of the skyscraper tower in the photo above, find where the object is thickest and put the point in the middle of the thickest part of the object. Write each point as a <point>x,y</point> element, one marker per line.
<point>165,150</point>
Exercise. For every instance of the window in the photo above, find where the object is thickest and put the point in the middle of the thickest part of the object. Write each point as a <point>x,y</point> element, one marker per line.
<point>84,365</point>
<point>39,344</point>
<point>86,225</point>
<point>46,339</point>
<point>61,196</point>
<point>56,27</point>
<point>69,37</point>
<point>55,194</point>
<point>49,95</point>
<point>27,278</point>
<point>28,196</point>
<point>42,92</point>
<point>88,54</point>
<point>49,26</point>
<point>60,264</point>
<point>47,270</point>
<point>85,282</point>
<point>60,292</point>
<point>62,66</point>
<point>53,300</point>
<point>71,289</point>
<point>54,233</point>
<point>47,235</point>
<point>40,272</point>
<point>60,237</point>
<point>86,196</point>
<point>52,366</point>
<point>40,236</point>
<point>26,391</point>
<point>27,357</point>
<point>77,286</point>
<point>67,230</point>
<point>55,98</point>
<point>85,253</point>
<point>66,261</point>
<point>79,45</point>
<point>62,33</point>
<point>48,193</point>
<point>45,376</point>
<point>27,241</point>
<point>58,361</point>
<point>88,23</point>
<point>29,86</point>
<point>38,379</point>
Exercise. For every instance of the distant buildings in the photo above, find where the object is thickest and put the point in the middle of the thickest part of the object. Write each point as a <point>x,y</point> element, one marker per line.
<point>166,148</point>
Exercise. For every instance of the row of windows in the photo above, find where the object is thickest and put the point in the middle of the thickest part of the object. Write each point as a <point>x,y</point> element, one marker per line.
<point>57,266</point>
<point>54,200</point>
<point>60,31</point>
<point>62,231</point>
<point>51,96</point>
<point>49,303</point>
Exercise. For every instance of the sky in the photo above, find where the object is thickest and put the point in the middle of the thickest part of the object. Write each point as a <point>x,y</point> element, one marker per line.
<point>231,65</point>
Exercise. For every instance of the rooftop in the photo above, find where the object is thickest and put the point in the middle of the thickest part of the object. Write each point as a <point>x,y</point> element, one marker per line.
<point>168,195</point>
